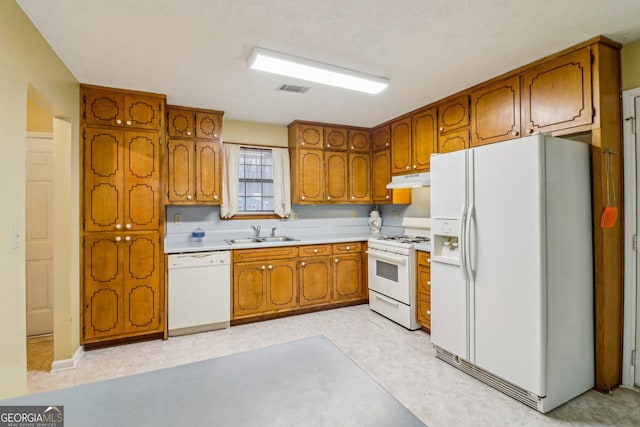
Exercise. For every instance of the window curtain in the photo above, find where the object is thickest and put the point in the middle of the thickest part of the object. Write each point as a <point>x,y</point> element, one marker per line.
<point>230,180</point>
<point>281,182</point>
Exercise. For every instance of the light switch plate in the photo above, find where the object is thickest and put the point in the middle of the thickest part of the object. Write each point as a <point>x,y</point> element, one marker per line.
<point>15,237</point>
<point>177,219</point>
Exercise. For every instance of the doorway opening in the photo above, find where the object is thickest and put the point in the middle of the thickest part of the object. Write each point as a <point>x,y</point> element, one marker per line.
<point>39,245</point>
<point>631,343</point>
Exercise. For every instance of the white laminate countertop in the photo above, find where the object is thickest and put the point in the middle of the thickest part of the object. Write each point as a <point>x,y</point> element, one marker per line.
<point>423,247</point>
<point>213,244</point>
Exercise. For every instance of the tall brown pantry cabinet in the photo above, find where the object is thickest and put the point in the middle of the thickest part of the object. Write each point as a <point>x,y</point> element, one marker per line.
<point>122,215</point>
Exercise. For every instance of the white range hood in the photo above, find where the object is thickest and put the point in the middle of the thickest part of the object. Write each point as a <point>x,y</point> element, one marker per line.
<point>412,180</point>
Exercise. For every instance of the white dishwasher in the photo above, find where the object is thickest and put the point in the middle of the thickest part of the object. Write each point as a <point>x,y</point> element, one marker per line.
<point>199,292</point>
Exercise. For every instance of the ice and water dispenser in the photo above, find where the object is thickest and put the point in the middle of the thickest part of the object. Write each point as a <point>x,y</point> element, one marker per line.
<point>445,240</point>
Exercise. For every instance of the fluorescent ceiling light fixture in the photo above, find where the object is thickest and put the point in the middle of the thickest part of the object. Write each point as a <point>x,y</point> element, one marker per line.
<point>305,69</point>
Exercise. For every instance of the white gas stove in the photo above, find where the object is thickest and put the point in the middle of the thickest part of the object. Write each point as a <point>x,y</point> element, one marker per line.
<point>392,271</point>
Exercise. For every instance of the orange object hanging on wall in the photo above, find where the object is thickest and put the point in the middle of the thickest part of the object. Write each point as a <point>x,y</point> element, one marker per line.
<point>610,211</point>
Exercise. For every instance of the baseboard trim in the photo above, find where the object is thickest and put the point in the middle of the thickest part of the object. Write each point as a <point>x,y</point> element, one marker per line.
<point>66,364</point>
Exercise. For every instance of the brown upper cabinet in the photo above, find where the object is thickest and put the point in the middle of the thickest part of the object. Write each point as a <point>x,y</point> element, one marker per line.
<point>495,112</point>
<point>194,156</point>
<point>381,138</point>
<point>401,146</point>
<point>120,108</point>
<point>359,178</point>
<point>556,95</point>
<point>306,136</point>
<point>453,114</point>
<point>336,176</point>
<point>359,141</point>
<point>453,141</point>
<point>335,139</point>
<point>424,139</point>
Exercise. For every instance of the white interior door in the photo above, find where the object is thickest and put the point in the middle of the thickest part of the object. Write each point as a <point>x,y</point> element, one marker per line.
<point>39,236</point>
<point>637,190</point>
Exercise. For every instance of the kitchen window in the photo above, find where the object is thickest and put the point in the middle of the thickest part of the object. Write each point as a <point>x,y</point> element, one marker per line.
<point>255,181</point>
<point>255,192</point>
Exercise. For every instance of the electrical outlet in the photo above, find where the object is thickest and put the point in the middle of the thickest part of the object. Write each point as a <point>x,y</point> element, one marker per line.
<point>394,214</point>
<point>294,215</point>
<point>15,237</point>
<point>177,219</point>
<point>354,214</point>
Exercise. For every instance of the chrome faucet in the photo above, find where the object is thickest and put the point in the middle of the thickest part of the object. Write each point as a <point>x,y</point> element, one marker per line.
<point>273,232</point>
<point>256,230</point>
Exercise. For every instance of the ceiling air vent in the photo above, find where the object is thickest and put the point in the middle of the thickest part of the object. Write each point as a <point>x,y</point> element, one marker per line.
<point>293,88</point>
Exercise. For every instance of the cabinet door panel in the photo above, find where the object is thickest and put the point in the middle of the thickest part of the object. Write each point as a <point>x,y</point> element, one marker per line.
<point>180,182</point>
<point>249,290</point>
<point>142,112</point>
<point>347,277</point>
<point>453,141</point>
<point>557,94</point>
<point>103,293</point>
<point>337,176</point>
<point>401,146</point>
<point>103,175</point>
<point>311,180</point>
<point>103,108</point>
<point>453,114</point>
<point>335,139</point>
<point>208,174</point>
<point>309,136</point>
<point>496,112</point>
<point>207,125</point>
<point>424,140</point>
<point>142,180</point>
<point>142,282</point>
<point>283,285</point>
<point>314,281</point>
<point>181,123</point>
<point>359,141</point>
<point>359,178</point>
<point>381,176</point>
<point>381,138</point>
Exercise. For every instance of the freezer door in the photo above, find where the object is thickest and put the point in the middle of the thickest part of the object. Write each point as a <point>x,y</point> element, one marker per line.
<point>448,184</point>
<point>506,255</point>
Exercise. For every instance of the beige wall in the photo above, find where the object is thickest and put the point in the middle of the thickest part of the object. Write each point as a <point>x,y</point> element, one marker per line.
<point>255,133</point>
<point>31,69</point>
<point>38,119</point>
<point>630,58</point>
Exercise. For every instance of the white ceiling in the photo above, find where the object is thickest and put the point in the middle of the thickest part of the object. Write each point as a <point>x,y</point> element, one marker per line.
<point>195,51</point>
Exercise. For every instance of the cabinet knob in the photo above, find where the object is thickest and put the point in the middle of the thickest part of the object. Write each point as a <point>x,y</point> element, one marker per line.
<point>270,267</point>
<point>386,144</point>
<point>118,238</point>
<point>515,133</point>
<point>328,197</point>
<point>407,167</point>
<point>215,135</point>
<point>303,263</point>
<point>215,197</point>
<point>428,260</point>
<point>428,282</point>
<point>530,131</point>
<point>118,121</point>
<point>348,248</point>
<point>128,226</point>
<point>128,122</point>
<point>441,128</point>
<point>415,166</point>
<point>188,133</point>
<point>386,197</point>
<point>328,145</point>
<point>128,238</point>
<point>302,198</point>
<point>315,251</point>
<point>302,143</point>
<point>335,260</point>
<point>353,148</point>
<point>429,312</point>
<point>264,267</point>
<point>118,226</point>
<point>353,197</point>
<point>189,197</point>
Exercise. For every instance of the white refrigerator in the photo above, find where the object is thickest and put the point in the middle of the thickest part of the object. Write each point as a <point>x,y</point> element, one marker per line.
<point>511,267</point>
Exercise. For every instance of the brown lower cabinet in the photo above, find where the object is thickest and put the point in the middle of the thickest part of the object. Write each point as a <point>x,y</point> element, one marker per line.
<point>285,279</point>
<point>423,310</point>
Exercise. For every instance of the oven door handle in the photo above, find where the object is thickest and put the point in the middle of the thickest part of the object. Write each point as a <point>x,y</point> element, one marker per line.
<point>388,258</point>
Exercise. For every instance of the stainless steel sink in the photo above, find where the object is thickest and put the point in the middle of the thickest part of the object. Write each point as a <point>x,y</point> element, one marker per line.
<point>260,240</point>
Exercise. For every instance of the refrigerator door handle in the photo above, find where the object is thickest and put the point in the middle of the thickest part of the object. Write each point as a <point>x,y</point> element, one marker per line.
<point>469,252</point>
<point>461,242</point>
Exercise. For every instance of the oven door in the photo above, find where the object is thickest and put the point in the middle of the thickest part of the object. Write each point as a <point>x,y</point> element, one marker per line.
<point>389,275</point>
